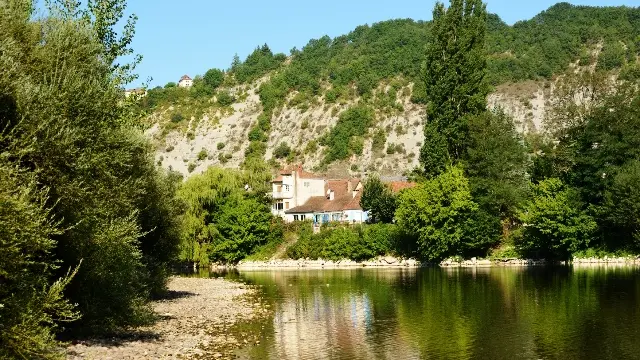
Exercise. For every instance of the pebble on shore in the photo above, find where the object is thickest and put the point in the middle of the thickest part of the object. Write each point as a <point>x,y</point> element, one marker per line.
<point>195,318</point>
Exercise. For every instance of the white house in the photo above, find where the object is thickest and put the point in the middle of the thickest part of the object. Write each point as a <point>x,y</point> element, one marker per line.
<point>299,195</point>
<point>185,81</point>
<point>137,93</point>
<point>293,187</point>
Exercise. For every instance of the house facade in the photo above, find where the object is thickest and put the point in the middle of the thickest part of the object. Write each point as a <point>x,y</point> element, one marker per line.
<point>185,81</point>
<point>294,187</point>
<point>136,93</point>
<point>301,196</point>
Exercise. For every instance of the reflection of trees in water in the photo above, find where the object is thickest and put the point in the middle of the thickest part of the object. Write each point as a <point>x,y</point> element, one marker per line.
<point>454,313</point>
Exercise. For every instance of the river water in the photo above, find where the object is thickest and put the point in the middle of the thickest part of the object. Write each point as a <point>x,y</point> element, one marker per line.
<point>433,313</point>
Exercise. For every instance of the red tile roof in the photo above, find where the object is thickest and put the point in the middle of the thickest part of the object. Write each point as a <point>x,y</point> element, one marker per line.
<point>397,186</point>
<point>185,77</point>
<point>297,168</point>
<point>343,198</point>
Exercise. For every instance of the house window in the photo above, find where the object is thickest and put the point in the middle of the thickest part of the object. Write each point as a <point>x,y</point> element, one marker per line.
<point>335,217</point>
<point>286,188</point>
<point>295,218</point>
<point>303,217</point>
<point>307,184</point>
<point>279,206</point>
<point>286,205</point>
<point>279,188</point>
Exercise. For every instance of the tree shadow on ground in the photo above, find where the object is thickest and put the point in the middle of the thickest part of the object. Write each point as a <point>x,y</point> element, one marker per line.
<point>119,339</point>
<point>125,336</point>
<point>174,295</point>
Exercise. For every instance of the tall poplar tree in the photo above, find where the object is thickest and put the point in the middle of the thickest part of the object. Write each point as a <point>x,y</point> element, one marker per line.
<point>454,75</point>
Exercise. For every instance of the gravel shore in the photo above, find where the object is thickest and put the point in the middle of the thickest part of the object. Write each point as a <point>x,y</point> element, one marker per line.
<point>197,320</point>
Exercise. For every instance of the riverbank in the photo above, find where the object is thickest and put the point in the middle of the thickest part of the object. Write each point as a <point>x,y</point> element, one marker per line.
<point>196,320</point>
<point>393,262</point>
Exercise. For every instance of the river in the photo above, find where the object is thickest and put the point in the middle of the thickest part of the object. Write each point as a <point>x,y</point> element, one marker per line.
<point>459,313</point>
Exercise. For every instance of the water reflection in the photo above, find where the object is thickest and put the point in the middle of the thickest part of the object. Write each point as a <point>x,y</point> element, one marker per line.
<point>483,313</point>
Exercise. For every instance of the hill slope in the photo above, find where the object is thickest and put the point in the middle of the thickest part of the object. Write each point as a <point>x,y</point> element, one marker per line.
<point>294,108</point>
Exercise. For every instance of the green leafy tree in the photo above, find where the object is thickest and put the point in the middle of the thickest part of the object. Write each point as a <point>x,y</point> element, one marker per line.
<point>554,223</point>
<point>228,216</point>
<point>224,98</point>
<point>353,122</point>
<point>612,56</point>
<point>454,74</point>
<point>103,16</point>
<point>282,151</point>
<point>30,306</point>
<point>496,163</point>
<point>434,156</point>
<point>378,200</point>
<point>621,206</point>
<point>436,213</point>
<point>213,78</point>
<point>74,135</point>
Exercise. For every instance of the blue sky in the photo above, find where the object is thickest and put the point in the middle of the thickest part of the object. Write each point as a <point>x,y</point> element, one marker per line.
<point>192,36</point>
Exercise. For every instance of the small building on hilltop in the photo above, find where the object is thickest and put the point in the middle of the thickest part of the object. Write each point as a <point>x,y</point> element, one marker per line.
<point>136,93</point>
<point>185,81</point>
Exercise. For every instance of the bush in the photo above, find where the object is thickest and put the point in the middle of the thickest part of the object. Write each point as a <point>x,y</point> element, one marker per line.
<point>344,243</point>
<point>358,243</point>
<point>555,226</point>
<point>202,155</point>
<point>312,147</point>
<point>436,213</point>
<point>353,122</point>
<point>220,146</point>
<point>177,117</point>
<point>30,305</point>
<point>282,151</point>
<point>379,140</point>
<point>225,99</point>
<point>191,167</point>
<point>309,245</point>
<point>612,56</point>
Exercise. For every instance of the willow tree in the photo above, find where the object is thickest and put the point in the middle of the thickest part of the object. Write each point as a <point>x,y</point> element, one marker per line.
<point>454,76</point>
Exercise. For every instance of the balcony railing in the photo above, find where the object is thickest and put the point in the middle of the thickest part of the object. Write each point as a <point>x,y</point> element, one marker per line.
<point>282,194</point>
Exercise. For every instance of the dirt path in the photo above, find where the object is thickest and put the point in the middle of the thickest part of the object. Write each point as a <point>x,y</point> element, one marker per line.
<point>196,322</point>
<point>282,250</point>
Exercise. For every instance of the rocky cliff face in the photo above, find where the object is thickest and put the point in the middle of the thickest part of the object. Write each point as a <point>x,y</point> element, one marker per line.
<point>221,137</point>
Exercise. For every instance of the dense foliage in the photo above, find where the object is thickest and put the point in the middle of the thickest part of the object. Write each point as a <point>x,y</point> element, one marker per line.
<point>81,199</point>
<point>496,163</point>
<point>227,218</point>
<point>345,139</point>
<point>357,243</point>
<point>454,76</point>
<point>378,200</point>
<point>441,214</point>
<point>554,224</point>
<point>530,49</point>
